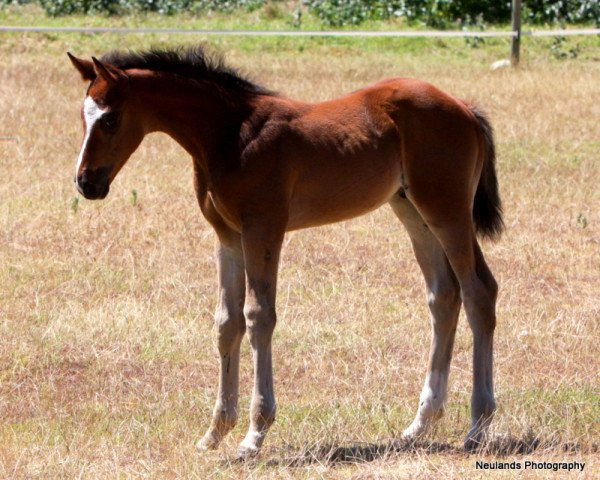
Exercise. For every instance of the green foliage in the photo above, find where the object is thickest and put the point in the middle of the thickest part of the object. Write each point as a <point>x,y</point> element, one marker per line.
<point>352,12</point>
<point>74,204</point>
<point>164,7</point>
<point>5,3</point>
<point>435,13</point>
<point>337,13</point>
<point>68,7</point>
<point>582,220</point>
<point>134,198</point>
<point>469,24</point>
<point>560,51</point>
<point>562,11</point>
<point>440,13</point>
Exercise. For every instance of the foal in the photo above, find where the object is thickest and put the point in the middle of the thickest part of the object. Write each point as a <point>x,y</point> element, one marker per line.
<point>265,164</point>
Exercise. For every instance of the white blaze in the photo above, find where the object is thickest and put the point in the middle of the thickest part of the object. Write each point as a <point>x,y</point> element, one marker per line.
<point>91,113</point>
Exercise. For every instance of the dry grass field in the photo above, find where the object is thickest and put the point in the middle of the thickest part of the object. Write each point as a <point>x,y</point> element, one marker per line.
<point>108,367</point>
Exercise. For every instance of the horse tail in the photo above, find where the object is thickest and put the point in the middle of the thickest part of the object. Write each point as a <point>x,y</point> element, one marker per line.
<point>487,207</point>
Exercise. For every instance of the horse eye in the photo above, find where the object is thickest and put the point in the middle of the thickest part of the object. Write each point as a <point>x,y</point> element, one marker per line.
<point>110,121</point>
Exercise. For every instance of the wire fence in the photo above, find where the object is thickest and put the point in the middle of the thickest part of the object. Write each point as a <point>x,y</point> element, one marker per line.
<point>302,33</point>
<point>515,34</point>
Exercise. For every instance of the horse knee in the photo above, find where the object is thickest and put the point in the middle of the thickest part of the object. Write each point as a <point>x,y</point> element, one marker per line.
<point>230,328</point>
<point>260,321</point>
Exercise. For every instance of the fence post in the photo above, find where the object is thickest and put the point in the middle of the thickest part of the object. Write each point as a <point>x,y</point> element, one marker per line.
<point>516,27</point>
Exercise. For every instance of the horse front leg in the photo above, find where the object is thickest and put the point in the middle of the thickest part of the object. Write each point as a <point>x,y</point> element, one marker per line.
<point>262,245</point>
<point>230,324</point>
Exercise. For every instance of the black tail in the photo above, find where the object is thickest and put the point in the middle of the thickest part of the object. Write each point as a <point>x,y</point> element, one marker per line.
<point>487,208</point>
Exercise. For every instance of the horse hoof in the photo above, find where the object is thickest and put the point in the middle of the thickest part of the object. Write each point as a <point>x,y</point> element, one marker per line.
<point>472,445</point>
<point>475,441</point>
<point>246,453</point>
<point>414,432</point>
<point>206,443</point>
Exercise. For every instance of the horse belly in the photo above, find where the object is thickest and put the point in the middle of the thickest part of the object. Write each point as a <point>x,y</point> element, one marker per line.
<point>335,191</point>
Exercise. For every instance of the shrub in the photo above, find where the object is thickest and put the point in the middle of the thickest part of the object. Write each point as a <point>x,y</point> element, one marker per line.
<point>562,11</point>
<point>165,7</point>
<point>434,13</point>
<point>438,13</point>
<point>68,7</point>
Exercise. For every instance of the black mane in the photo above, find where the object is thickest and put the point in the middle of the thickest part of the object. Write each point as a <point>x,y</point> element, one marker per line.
<point>191,62</point>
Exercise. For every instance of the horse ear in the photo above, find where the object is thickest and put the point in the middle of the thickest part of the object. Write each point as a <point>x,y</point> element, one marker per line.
<point>109,73</point>
<point>84,67</point>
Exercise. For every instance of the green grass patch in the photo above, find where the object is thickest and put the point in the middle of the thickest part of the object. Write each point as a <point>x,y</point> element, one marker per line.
<point>457,50</point>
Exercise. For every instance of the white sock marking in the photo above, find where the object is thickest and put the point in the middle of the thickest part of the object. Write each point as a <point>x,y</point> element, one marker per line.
<point>433,395</point>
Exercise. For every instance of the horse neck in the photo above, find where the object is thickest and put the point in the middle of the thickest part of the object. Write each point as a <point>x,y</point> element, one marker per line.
<point>201,116</point>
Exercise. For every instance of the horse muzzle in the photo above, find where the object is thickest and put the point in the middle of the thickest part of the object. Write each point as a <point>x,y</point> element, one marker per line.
<point>94,184</point>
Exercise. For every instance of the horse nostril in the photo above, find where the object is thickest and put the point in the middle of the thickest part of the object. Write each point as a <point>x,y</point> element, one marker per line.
<point>82,184</point>
<point>92,184</point>
<point>80,188</point>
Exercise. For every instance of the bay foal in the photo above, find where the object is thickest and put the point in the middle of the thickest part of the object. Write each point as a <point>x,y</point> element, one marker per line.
<point>265,164</point>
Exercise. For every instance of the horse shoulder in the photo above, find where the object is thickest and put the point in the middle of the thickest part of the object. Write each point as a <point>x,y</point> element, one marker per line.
<point>268,130</point>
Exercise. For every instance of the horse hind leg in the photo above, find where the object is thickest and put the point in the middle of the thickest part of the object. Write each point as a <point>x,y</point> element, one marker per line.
<point>443,298</point>
<point>480,304</point>
<point>478,290</point>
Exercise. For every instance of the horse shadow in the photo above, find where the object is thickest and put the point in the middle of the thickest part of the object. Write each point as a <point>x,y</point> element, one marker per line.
<point>332,454</point>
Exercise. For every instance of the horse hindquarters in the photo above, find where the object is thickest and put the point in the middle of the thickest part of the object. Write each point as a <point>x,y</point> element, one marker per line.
<point>443,167</point>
